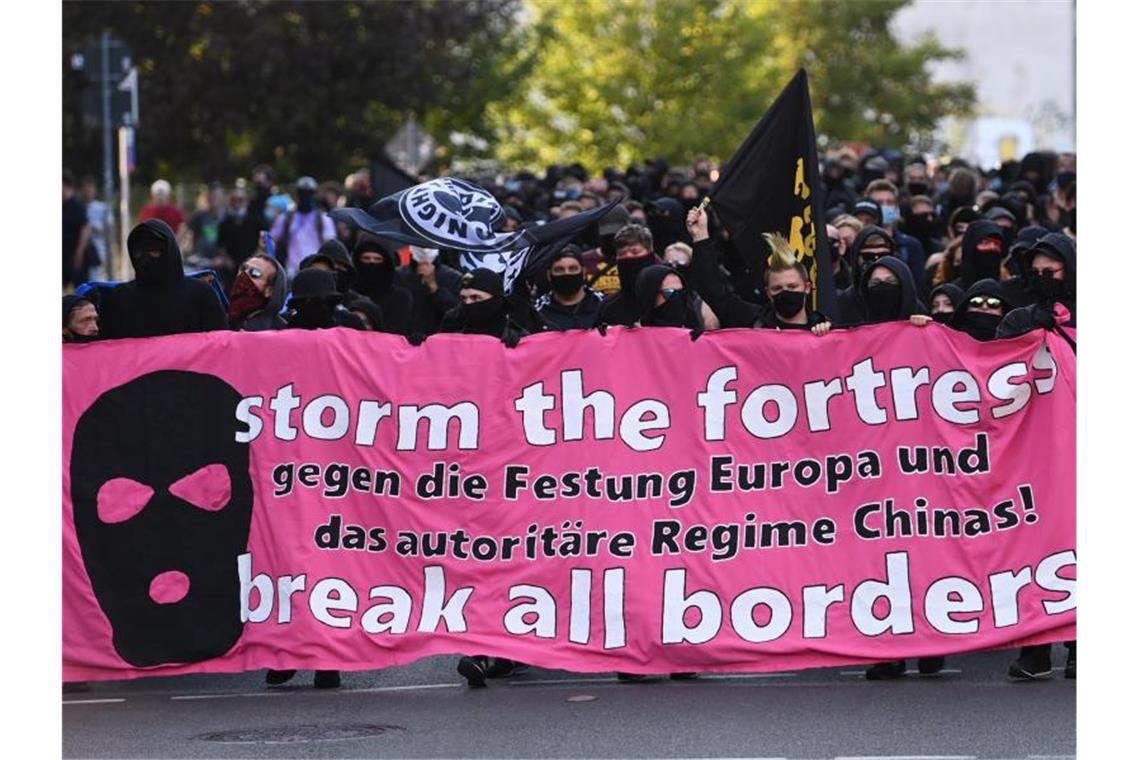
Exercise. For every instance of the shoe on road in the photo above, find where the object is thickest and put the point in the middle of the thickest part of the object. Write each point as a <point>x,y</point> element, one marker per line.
<point>682,676</point>
<point>474,669</point>
<point>326,679</point>
<point>278,677</point>
<point>886,671</point>
<point>1033,663</point>
<point>930,666</point>
<point>1071,663</point>
<point>631,677</point>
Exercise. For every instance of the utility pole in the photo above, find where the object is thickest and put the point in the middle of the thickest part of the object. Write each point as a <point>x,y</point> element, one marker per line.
<point>105,94</point>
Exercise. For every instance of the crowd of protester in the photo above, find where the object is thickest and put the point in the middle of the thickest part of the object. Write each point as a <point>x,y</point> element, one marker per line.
<point>989,253</point>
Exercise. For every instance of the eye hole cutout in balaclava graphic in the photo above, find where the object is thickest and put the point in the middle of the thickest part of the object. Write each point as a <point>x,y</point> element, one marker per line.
<point>162,500</point>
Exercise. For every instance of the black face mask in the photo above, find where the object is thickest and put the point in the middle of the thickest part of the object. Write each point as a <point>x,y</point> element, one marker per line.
<point>922,226</point>
<point>313,315</point>
<point>669,314</point>
<point>681,269</point>
<point>629,269</point>
<point>979,325</point>
<point>72,338</point>
<point>159,487</point>
<point>918,188</point>
<point>148,269</point>
<point>305,202</point>
<point>942,317</point>
<point>483,314</point>
<point>373,278</point>
<point>884,301</point>
<point>1044,288</point>
<point>789,303</point>
<point>567,284</point>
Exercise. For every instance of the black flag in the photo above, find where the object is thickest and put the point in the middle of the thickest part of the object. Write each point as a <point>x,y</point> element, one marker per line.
<point>771,184</point>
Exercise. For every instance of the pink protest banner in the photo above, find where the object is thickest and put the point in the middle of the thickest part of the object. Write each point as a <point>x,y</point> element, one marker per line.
<point>754,500</point>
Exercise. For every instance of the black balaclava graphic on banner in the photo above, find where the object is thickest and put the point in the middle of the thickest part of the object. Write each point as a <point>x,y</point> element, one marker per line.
<point>162,500</point>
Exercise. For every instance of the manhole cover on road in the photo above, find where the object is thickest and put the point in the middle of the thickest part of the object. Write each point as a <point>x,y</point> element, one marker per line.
<point>293,734</point>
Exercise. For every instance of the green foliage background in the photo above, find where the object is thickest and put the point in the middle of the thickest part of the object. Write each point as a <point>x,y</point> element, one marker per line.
<point>319,87</point>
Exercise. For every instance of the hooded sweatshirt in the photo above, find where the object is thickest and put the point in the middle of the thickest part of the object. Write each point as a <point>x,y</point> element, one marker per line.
<point>951,291</point>
<point>978,265</point>
<point>160,300</point>
<point>377,282</point>
<point>979,326</point>
<point>855,303</point>
<point>675,312</point>
<point>1043,314</point>
<point>269,316</point>
<point>854,259</point>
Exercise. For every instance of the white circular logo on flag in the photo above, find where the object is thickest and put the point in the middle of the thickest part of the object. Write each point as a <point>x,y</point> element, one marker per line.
<point>454,213</point>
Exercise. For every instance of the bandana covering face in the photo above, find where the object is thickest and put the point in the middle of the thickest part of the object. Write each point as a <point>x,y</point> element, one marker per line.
<point>245,298</point>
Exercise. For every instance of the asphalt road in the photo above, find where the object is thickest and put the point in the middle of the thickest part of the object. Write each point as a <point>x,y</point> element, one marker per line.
<point>425,710</point>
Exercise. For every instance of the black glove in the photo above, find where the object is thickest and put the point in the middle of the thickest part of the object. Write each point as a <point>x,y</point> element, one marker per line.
<point>417,338</point>
<point>602,329</point>
<point>1043,316</point>
<point>511,338</point>
<point>696,332</point>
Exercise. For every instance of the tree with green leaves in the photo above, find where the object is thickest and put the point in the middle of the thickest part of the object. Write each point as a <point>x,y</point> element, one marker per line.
<point>615,81</point>
<point>314,88</point>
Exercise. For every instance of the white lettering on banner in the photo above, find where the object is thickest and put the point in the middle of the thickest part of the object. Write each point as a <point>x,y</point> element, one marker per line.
<point>768,411</point>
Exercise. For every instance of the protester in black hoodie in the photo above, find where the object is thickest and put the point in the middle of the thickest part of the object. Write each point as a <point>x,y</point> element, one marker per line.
<point>316,304</point>
<point>884,293</point>
<point>663,301</point>
<point>944,301</point>
<point>1050,281</point>
<point>983,249</point>
<point>258,295</point>
<point>634,247</point>
<point>870,244</point>
<point>375,279</point>
<point>483,309</point>
<point>981,310</point>
<point>160,300</point>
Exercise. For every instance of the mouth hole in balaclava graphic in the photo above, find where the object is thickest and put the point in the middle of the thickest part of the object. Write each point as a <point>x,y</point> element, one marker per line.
<point>162,501</point>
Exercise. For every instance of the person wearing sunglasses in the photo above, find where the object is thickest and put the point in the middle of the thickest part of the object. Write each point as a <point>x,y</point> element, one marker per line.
<point>663,300</point>
<point>257,295</point>
<point>981,311</point>
<point>1049,278</point>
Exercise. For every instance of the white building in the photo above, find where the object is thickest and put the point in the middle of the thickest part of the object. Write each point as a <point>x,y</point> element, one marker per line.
<point>1021,57</point>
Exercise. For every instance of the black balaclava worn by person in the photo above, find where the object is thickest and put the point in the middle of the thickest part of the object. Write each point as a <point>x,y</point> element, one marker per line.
<point>374,279</point>
<point>952,292</point>
<point>313,300</point>
<point>371,312</point>
<point>151,256</point>
<point>489,316</point>
<point>675,312</point>
<point>983,249</point>
<point>975,315</point>
<point>1025,239</point>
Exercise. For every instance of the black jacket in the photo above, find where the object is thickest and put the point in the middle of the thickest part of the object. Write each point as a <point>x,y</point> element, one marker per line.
<point>852,303</point>
<point>1036,315</point>
<point>553,315</point>
<point>428,308</point>
<point>173,304</point>
<point>394,300</point>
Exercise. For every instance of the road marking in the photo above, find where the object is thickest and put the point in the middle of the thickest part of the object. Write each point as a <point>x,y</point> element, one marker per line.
<point>909,673</point>
<point>907,757</point>
<point>563,681</point>
<point>230,696</point>
<point>91,701</point>
<point>404,688</point>
<point>742,676</point>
